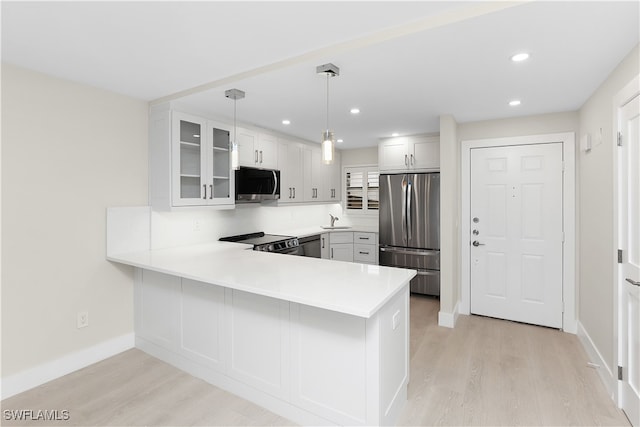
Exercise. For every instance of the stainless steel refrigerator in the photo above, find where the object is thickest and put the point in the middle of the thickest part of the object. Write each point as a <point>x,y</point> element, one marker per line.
<point>410,227</point>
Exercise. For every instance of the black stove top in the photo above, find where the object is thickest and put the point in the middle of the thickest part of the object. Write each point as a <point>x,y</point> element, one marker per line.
<point>264,242</point>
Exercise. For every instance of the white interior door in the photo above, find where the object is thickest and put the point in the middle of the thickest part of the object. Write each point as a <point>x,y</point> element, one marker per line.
<point>629,269</point>
<point>516,230</point>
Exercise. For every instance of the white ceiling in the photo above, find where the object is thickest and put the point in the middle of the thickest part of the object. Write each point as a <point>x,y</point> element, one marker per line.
<point>402,63</point>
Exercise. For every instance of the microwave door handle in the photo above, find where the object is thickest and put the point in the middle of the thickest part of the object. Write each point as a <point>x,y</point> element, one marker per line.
<point>275,182</point>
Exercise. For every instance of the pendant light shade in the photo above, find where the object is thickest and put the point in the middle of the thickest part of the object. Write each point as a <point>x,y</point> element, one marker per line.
<point>328,147</point>
<point>234,94</point>
<point>328,139</point>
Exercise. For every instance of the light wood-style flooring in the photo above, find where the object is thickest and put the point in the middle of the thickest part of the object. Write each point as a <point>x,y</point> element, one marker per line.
<point>482,372</point>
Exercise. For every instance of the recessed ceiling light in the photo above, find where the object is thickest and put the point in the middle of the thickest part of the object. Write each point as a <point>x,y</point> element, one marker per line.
<point>518,57</point>
<point>340,141</point>
<point>395,134</point>
<point>514,103</point>
<point>286,122</point>
<point>355,111</point>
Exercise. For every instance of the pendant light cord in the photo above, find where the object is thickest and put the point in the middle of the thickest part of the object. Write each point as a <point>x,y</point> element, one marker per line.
<point>327,101</point>
<point>235,131</point>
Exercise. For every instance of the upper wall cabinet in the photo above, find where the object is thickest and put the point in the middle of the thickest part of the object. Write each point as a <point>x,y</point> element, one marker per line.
<point>256,149</point>
<point>189,161</point>
<point>291,177</point>
<point>331,176</point>
<point>414,153</point>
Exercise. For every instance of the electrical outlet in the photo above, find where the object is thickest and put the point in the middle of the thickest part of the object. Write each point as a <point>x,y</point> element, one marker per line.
<point>82,319</point>
<point>196,225</point>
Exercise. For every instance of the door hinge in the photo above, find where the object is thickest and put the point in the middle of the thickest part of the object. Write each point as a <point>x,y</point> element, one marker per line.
<point>619,139</point>
<point>620,373</point>
<point>619,256</point>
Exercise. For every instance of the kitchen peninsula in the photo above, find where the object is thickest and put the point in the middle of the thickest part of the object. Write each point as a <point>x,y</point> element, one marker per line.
<point>316,341</point>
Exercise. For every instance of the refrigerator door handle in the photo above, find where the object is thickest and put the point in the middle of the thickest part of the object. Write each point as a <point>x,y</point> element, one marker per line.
<point>409,227</point>
<point>409,251</point>
<point>404,211</point>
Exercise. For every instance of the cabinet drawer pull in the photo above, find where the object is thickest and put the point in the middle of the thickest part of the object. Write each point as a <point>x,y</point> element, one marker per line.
<point>260,156</point>
<point>211,191</point>
<point>412,160</point>
<point>363,253</point>
<point>331,253</point>
<point>204,187</point>
<point>256,159</point>
<point>294,192</point>
<point>323,243</point>
<point>363,238</point>
<point>406,160</point>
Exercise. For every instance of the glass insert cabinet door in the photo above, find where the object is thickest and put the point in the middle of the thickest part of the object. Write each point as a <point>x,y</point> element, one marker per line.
<point>220,171</point>
<point>200,162</point>
<point>190,160</point>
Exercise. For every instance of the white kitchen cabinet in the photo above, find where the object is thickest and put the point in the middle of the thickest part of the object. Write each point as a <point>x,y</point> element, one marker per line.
<point>365,248</point>
<point>291,177</point>
<point>324,246</point>
<point>256,149</point>
<point>413,153</point>
<point>332,179</point>
<point>355,246</point>
<point>189,161</point>
<point>312,174</point>
<point>341,246</point>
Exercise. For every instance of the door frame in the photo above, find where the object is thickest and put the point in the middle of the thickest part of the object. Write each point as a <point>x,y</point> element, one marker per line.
<point>569,219</point>
<point>626,94</point>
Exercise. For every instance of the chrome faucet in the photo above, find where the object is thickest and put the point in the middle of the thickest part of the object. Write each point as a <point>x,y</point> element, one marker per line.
<point>333,219</point>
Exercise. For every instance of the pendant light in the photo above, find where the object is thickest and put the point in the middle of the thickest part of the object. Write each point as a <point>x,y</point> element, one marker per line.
<point>328,139</point>
<point>234,94</point>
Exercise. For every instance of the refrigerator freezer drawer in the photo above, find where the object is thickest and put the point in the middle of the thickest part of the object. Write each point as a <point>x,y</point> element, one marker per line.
<point>427,282</point>
<point>419,259</point>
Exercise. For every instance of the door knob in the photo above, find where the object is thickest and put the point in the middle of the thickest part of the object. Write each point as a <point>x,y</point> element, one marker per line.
<point>476,243</point>
<point>476,232</point>
<point>476,220</point>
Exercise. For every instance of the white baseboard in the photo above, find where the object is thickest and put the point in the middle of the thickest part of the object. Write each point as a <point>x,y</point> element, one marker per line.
<point>448,320</point>
<point>25,380</point>
<point>607,377</point>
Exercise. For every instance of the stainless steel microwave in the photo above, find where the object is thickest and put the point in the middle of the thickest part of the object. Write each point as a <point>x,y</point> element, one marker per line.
<point>256,185</point>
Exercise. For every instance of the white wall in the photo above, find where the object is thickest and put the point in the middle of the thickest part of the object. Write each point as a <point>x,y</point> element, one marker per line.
<point>360,156</point>
<point>519,126</point>
<point>176,228</point>
<point>449,219</point>
<point>68,152</point>
<point>596,290</point>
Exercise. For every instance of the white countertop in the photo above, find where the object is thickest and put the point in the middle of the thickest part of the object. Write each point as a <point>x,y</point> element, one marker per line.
<point>351,288</point>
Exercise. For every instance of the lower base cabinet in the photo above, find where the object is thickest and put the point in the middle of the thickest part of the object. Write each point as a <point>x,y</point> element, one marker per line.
<point>310,365</point>
<point>353,247</point>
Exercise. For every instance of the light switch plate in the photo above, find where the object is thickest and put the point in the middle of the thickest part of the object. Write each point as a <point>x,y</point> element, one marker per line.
<point>396,320</point>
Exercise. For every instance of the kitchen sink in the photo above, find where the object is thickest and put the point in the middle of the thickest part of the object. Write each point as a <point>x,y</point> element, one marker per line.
<point>335,227</point>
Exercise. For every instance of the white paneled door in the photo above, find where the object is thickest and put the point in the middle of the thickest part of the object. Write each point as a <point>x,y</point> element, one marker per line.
<point>629,267</point>
<point>516,233</point>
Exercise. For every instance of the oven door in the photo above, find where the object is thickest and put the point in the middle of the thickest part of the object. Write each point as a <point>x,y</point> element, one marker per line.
<point>290,251</point>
